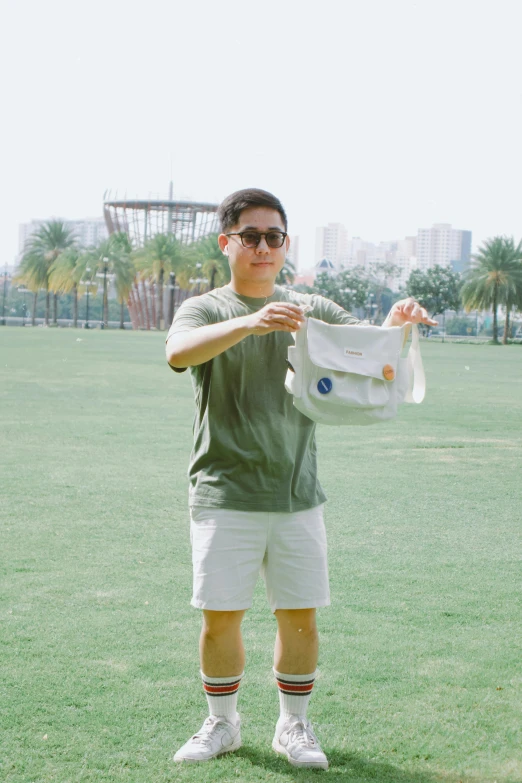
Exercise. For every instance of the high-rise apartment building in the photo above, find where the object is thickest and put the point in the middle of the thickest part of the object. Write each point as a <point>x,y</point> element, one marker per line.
<point>444,246</point>
<point>330,243</point>
<point>441,244</point>
<point>88,232</point>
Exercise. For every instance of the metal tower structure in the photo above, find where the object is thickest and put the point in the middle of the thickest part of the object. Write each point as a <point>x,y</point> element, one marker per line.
<point>140,219</point>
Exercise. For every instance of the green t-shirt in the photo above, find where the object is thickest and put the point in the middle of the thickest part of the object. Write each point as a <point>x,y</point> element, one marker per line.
<point>253,450</point>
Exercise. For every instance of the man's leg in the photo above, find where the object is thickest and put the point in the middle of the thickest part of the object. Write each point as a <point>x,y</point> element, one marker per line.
<point>222,658</point>
<point>221,650</point>
<point>297,641</point>
<point>295,662</point>
<point>295,659</point>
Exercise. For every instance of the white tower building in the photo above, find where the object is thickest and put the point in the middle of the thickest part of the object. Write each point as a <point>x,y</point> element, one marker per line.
<point>330,243</point>
<point>443,245</point>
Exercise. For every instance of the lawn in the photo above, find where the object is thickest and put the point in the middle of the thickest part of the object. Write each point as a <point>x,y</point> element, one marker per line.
<point>420,665</point>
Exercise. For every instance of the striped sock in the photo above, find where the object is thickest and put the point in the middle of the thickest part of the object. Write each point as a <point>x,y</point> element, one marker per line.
<point>221,693</point>
<point>294,693</point>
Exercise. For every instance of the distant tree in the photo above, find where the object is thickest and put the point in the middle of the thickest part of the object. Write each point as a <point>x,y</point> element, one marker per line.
<point>65,274</point>
<point>103,259</point>
<point>287,274</point>
<point>349,288</point>
<point>460,325</point>
<point>437,289</point>
<point>494,278</point>
<point>41,251</point>
<point>204,258</point>
<point>380,292</point>
<point>161,254</point>
<point>123,269</point>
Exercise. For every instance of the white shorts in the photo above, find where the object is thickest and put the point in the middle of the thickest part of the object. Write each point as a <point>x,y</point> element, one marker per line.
<point>231,548</point>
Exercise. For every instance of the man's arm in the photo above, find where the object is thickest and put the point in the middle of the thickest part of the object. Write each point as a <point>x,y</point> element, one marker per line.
<point>190,348</point>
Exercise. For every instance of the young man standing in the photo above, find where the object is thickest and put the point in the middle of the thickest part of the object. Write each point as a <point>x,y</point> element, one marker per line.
<point>255,502</point>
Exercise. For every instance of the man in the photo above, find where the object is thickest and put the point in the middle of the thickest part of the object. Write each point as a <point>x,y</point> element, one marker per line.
<point>256,504</point>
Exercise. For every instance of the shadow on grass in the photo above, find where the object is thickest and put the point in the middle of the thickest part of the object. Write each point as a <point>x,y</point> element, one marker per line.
<point>343,767</point>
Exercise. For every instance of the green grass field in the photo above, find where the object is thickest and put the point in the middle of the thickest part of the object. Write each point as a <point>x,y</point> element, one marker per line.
<point>420,663</point>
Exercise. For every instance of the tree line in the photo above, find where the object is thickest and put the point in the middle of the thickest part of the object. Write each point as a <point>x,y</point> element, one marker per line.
<point>54,263</point>
<point>492,280</point>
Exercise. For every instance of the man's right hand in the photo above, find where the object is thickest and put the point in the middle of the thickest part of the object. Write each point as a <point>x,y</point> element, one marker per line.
<point>189,349</point>
<point>275,317</point>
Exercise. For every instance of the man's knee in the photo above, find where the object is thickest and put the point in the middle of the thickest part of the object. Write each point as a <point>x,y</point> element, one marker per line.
<point>297,621</point>
<point>221,623</point>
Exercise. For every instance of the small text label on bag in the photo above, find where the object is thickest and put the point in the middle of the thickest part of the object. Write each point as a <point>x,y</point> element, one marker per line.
<point>353,354</point>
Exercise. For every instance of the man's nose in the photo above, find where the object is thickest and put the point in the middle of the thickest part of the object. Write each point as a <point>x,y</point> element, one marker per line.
<point>262,246</point>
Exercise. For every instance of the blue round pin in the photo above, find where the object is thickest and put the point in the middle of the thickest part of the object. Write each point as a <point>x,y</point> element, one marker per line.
<point>324,386</point>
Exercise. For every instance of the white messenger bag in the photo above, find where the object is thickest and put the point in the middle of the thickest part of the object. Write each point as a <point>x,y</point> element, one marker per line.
<point>353,374</point>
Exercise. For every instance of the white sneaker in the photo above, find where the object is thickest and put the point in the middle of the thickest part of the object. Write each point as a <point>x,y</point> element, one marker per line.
<point>216,736</point>
<point>295,739</point>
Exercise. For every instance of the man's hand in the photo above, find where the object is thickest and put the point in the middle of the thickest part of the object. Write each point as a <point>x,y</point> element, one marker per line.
<point>275,317</point>
<point>188,349</point>
<point>408,311</point>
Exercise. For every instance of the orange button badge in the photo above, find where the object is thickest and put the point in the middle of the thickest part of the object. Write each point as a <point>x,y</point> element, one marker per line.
<point>388,372</point>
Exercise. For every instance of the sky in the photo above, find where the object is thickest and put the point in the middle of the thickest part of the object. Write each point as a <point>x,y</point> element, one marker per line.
<point>384,115</point>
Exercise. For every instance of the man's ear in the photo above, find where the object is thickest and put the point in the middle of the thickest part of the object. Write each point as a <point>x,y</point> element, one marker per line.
<point>223,244</point>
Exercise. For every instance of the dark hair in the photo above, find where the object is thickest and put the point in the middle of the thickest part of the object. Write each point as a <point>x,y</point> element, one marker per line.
<point>230,209</point>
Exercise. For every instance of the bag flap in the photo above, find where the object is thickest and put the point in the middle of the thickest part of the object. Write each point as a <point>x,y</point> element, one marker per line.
<point>373,351</point>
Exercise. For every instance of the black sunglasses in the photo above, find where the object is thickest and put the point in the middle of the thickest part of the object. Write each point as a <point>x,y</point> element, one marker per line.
<point>274,239</point>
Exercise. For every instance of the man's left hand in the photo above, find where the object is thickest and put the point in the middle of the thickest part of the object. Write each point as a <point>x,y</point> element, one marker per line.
<point>408,311</point>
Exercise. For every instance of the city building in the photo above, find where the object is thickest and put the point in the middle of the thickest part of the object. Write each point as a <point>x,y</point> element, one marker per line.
<point>330,243</point>
<point>88,231</point>
<point>444,246</point>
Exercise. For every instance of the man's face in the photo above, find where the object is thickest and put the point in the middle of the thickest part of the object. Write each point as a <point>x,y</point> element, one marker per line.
<point>259,264</point>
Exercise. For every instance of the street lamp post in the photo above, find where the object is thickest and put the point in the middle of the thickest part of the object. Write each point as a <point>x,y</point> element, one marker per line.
<point>105,321</point>
<point>87,284</point>
<point>87,313</point>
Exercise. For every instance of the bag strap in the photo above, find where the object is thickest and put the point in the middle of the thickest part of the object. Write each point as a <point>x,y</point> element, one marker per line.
<point>418,390</point>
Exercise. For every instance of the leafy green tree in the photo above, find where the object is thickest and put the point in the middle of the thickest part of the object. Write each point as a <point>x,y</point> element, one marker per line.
<point>380,295</point>
<point>287,274</point>
<point>162,254</point>
<point>349,288</point>
<point>42,249</point>
<point>494,278</point>
<point>437,289</point>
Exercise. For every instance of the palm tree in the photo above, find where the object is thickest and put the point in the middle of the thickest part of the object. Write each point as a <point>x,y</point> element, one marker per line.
<point>41,251</point>
<point>494,278</point>
<point>123,270</point>
<point>513,301</point>
<point>33,274</point>
<point>162,254</point>
<point>66,273</point>
<point>205,259</point>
